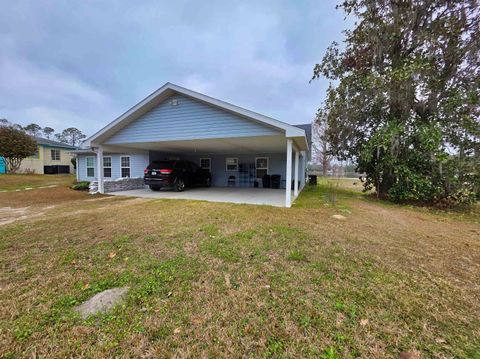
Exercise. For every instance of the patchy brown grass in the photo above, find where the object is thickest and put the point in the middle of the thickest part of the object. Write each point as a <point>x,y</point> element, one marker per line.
<point>12,182</point>
<point>225,280</point>
<point>41,197</point>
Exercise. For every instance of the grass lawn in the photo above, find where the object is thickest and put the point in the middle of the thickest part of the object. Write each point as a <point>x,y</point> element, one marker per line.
<point>224,280</point>
<point>12,182</point>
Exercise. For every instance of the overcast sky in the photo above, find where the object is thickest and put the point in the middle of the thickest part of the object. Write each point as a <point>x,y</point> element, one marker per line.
<point>83,63</point>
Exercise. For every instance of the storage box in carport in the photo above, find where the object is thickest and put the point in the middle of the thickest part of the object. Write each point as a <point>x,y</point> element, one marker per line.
<point>266,181</point>
<point>275,181</point>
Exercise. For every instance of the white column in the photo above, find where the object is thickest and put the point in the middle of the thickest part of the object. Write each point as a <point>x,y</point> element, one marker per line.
<point>100,169</point>
<point>295,185</point>
<point>304,167</point>
<point>288,185</point>
<point>77,173</point>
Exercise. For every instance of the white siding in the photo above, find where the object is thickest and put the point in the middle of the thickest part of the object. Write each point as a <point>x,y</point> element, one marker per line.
<point>188,119</point>
<point>138,162</point>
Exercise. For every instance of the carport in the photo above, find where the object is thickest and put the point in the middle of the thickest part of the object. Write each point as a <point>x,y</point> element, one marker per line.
<point>233,163</point>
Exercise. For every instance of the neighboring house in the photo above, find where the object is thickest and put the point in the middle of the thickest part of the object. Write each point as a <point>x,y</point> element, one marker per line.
<point>51,157</point>
<point>3,165</point>
<point>237,145</point>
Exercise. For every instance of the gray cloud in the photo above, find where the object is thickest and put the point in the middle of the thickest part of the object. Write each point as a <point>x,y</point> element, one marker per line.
<point>82,63</point>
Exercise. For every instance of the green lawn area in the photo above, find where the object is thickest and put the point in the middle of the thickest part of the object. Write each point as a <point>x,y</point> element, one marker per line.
<point>12,182</point>
<point>225,280</point>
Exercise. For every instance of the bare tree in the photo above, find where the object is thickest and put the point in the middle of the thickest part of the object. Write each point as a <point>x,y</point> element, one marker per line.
<point>71,135</point>
<point>48,131</point>
<point>320,143</point>
<point>6,123</point>
<point>33,129</point>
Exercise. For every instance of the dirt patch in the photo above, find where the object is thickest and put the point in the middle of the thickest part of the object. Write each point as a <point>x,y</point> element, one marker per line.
<point>384,214</point>
<point>64,201</point>
<point>9,214</point>
<point>98,198</point>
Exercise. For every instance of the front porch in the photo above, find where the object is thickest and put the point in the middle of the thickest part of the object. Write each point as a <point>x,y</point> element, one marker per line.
<point>262,196</point>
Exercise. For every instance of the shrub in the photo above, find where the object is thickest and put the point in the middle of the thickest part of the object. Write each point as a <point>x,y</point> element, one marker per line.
<point>81,186</point>
<point>462,198</point>
<point>15,145</point>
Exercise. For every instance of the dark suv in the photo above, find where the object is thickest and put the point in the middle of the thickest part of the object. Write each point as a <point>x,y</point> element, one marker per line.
<point>176,174</point>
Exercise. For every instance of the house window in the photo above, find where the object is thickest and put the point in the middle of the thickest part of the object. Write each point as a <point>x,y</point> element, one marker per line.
<point>232,164</point>
<point>55,154</point>
<point>205,164</point>
<point>261,165</point>
<point>90,166</point>
<point>125,166</point>
<point>107,166</point>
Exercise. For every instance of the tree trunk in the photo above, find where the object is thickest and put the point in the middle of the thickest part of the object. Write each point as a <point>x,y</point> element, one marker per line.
<point>13,164</point>
<point>325,163</point>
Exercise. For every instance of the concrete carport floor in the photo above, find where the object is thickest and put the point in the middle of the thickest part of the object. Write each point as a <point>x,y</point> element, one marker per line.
<point>262,196</point>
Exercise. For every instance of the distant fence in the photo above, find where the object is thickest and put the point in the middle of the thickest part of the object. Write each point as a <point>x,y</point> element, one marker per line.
<point>339,174</point>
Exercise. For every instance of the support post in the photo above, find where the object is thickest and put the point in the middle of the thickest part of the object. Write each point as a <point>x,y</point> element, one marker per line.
<point>288,184</point>
<point>304,168</point>
<point>100,169</point>
<point>295,185</point>
<point>77,173</point>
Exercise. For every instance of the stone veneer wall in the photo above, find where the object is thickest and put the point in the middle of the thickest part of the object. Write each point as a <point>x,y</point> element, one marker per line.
<point>121,184</point>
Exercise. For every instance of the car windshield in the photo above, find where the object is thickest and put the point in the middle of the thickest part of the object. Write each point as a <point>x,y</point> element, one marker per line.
<point>161,164</point>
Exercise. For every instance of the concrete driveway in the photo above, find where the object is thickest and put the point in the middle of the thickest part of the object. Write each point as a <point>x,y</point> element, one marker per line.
<point>272,197</point>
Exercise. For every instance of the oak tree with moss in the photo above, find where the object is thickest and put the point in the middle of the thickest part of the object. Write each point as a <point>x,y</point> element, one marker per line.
<point>404,104</point>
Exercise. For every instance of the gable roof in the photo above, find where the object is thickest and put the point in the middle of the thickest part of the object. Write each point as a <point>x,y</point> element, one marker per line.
<point>51,143</point>
<point>169,89</point>
<point>307,127</point>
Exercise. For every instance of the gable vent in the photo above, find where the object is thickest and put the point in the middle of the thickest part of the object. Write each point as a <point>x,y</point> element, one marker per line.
<point>174,102</point>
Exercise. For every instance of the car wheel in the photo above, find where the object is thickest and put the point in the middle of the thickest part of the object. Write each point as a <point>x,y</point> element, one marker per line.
<point>179,185</point>
<point>154,188</point>
<point>208,182</point>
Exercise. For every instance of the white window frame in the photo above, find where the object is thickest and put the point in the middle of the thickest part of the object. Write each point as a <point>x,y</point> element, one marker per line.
<point>129,166</point>
<point>59,154</point>
<point>209,163</point>
<point>226,164</point>
<point>87,167</point>
<point>262,168</point>
<point>103,160</point>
